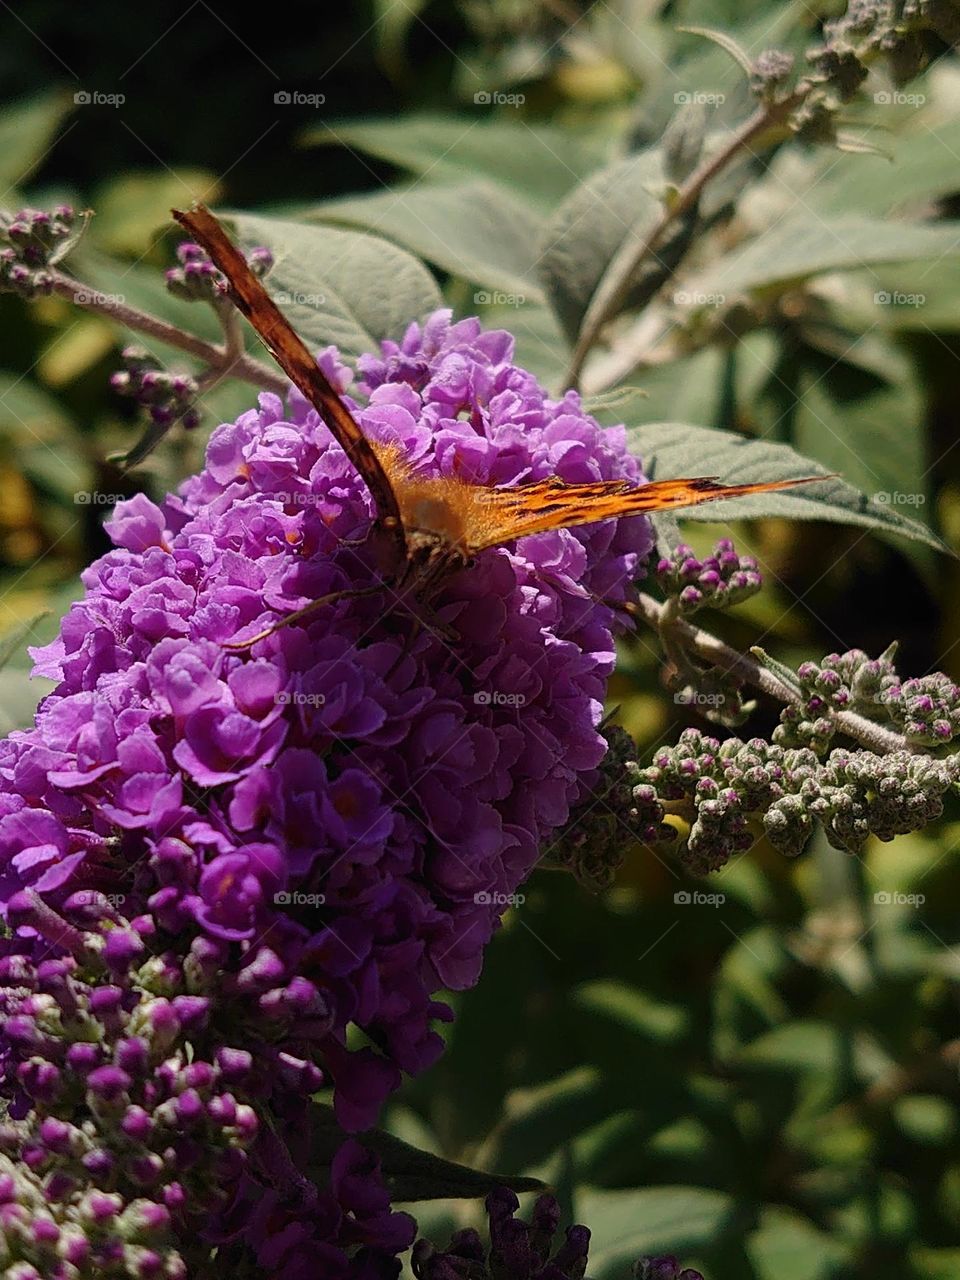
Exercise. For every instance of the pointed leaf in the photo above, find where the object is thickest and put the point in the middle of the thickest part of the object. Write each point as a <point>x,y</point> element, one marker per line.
<point>410,1174</point>
<point>671,449</point>
<point>475,230</point>
<point>340,286</point>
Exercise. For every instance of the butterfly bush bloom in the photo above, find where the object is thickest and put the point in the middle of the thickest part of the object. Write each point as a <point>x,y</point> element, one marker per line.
<point>345,806</point>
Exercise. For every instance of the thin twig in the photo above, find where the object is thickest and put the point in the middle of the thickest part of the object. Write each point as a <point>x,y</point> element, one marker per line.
<point>222,360</point>
<point>708,646</point>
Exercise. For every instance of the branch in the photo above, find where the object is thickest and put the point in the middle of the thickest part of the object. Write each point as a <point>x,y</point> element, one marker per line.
<point>615,282</point>
<point>220,360</point>
<point>873,736</point>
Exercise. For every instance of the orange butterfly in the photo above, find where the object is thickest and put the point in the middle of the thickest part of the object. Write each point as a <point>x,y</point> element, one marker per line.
<point>436,523</point>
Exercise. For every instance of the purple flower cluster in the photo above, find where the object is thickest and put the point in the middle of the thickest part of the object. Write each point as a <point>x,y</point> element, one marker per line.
<point>344,806</point>
<point>137,1080</point>
<point>521,1250</point>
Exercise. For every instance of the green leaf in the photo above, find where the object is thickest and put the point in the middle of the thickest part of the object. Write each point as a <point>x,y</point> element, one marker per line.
<point>533,1117</point>
<point>592,225</point>
<point>538,162</point>
<point>626,1225</point>
<point>393,22</point>
<point>935,1264</point>
<point>865,424</point>
<point>926,1119</point>
<point>924,168</point>
<point>12,642</point>
<point>409,1173</point>
<point>338,286</point>
<point>133,207</point>
<point>18,699</point>
<point>26,130</point>
<point>786,1246</point>
<point>474,230</point>
<point>670,449</point>
<point>634,1011</point>
<point>802,246</point>
<point>682,141</point>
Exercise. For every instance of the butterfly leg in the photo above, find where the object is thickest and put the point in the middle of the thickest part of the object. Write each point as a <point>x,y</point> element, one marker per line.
<point>240,646</point>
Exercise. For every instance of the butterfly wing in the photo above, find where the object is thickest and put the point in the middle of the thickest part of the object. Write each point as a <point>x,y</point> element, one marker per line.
<point>295,360</point>
<point>505,514</point>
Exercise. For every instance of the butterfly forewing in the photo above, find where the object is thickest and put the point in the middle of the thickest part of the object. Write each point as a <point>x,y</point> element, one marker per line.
<point>294,359</point>
<point>505,514</point>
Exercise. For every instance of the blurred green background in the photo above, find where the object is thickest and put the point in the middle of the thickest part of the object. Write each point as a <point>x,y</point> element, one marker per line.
<point>768,1085</point>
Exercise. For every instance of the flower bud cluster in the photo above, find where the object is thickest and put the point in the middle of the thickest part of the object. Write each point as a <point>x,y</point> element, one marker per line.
<point>617,810</point>
<point>167,397</point>
<point>853,794</point>
<point>196,279</point>
<point>122,1124</point>
<point>30,242</point>
<point>926,709</point>
<point>718,581</point>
